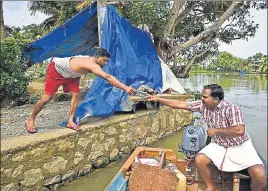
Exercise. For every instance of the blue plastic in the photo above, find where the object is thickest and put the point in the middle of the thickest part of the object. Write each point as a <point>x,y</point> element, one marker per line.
<point>134,61</point>
<point>77,36</point>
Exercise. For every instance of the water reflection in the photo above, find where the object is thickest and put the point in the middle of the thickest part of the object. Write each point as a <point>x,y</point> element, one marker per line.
<point>257,83</point>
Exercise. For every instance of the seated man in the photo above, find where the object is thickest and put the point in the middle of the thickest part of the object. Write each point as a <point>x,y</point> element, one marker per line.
<point>66,72</point>
<point>231,148</point>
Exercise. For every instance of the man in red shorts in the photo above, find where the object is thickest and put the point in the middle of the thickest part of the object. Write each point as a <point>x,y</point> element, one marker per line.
<point>66,72</point>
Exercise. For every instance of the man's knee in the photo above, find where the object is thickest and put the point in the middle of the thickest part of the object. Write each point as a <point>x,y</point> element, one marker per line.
<point>257,174</point>
<point>45,99</point>
<point>202,159</point>
<point>76,95</point>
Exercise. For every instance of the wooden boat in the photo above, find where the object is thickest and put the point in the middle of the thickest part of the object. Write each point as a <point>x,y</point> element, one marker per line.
<point>223,180</point>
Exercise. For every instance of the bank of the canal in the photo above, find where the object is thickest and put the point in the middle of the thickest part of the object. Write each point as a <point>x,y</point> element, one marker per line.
<point>44,161</point>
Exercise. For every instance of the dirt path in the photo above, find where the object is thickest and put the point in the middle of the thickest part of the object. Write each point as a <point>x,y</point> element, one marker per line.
<point>12,119</point>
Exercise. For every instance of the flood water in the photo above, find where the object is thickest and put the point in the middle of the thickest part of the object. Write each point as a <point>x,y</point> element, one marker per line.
<point>247,91</point>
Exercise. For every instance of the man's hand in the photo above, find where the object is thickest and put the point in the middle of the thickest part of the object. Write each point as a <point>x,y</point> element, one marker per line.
<point>151,98</point>
<point>130,90</point>
<point>212,132</point>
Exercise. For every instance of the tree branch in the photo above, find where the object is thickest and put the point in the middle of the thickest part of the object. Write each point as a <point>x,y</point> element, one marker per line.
<point>213,28</point>
<point>191,62</point>
<point>185,13</point>
<point>177,5</point>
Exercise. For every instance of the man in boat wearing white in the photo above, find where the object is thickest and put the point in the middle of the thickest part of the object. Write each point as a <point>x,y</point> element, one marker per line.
<point>231,148</point>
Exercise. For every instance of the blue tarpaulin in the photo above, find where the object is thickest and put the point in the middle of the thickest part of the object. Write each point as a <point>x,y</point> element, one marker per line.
<point>77,36</point>
<point>134,60</point>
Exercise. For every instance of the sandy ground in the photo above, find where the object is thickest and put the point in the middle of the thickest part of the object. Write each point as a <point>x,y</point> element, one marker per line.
<point>12,119</point>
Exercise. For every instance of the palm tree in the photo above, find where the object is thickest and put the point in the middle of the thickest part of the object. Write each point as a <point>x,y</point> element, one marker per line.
<point>58,11</point>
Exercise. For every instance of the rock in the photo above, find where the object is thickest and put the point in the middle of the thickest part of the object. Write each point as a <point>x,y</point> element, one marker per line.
<point>17,171</point>
<point>155,127</point>
<point>102,136</point>
<point>19,157</point>
<point>70,175</point>
<point>163,121</point>
<point>78,157</point>
<point>85,170</point>
<point>32,177</point>
<point>123,124</point>
<point>169,133</point>
<point>53,180</point>
<point>9,187</point>
<point>125,150</point>
<point>56,165</point>
<point>38,152</point>
<point>172,121</point>
<point>92,157</point>
<point>161,135</point>
<point>110,131</point>
<point>133,122</point>
<point>114,154</point>
<point>101,162</point>
<point>122,138</point>
<point>8,172</point>
<point>83,142</point>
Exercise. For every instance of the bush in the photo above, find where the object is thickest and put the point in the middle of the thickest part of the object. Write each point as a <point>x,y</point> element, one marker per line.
<point>13,78</point>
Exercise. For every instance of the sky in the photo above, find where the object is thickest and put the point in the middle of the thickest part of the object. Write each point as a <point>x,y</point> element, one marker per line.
<point>17,14</point>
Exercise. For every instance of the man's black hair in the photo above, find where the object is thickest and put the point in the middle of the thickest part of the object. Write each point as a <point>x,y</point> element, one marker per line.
<point>215,91</point>
<point>100,52</point>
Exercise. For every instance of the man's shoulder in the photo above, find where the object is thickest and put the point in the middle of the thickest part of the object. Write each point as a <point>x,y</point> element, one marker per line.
<point>228,104</point>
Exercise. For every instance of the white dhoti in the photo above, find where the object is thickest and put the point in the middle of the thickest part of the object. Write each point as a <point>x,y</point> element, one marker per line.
<point>233,158</point>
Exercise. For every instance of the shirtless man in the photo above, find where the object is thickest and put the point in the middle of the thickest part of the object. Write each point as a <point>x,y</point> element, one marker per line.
<point>66,72</point>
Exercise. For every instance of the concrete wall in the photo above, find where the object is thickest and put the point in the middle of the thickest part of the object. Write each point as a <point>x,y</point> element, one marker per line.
<point>45,160</point>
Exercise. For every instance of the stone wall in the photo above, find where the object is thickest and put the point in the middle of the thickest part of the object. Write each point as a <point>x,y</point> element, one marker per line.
<point>44,161</point>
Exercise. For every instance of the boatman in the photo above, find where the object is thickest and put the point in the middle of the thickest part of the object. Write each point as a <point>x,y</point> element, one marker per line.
<point>66,72</point>
<point>231,149</point>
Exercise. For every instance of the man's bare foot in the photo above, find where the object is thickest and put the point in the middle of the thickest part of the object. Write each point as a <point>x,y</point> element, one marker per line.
<point>73,126</point>
<point>29,126</point>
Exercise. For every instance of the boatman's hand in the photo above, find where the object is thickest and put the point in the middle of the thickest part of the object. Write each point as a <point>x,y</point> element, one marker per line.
<point>130,90</point>
<point>151,98</point>
<point>212,132</point>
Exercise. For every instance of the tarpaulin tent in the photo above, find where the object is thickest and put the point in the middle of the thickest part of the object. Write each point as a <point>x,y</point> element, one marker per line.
<point>134,60</point>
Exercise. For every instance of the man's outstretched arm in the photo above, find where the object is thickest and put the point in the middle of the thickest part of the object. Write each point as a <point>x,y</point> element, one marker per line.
<point>112,80</point>
<point>177,104</point>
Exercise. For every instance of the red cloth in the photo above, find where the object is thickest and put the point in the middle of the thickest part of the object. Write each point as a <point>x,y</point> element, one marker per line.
<point>54,80</point>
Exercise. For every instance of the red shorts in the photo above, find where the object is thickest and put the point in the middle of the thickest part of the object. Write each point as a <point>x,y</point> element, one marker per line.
<point>54,80</point>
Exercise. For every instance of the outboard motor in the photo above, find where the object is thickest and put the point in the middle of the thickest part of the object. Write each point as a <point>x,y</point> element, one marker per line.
<point>193,140</point>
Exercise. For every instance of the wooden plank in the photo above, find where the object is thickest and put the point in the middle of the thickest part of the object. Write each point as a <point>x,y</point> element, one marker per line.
<point>167,96</point>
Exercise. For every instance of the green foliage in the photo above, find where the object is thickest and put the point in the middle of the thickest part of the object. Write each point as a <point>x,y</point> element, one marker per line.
<point>263,65</point>
<point>197,94</point>
<point>59,12</point>
<point>13,78</point>
<point>154,14</point>
<point>227,62</point>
